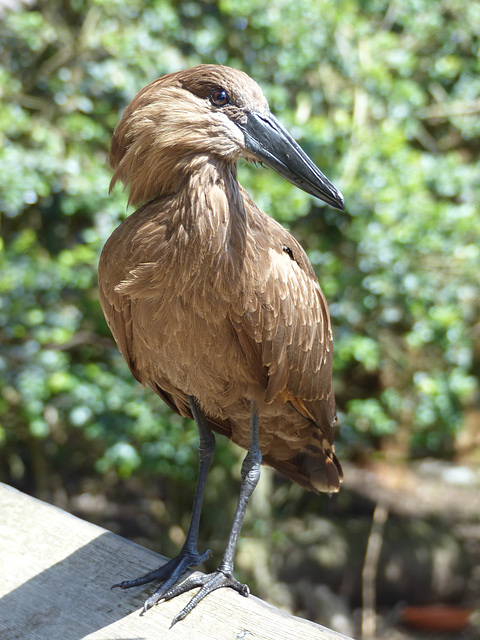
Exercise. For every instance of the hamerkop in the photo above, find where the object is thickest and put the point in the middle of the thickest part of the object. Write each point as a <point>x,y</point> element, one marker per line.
<point>211,302</point>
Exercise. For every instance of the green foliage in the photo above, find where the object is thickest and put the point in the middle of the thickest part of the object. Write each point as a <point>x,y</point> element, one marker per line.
<point>383,95</point>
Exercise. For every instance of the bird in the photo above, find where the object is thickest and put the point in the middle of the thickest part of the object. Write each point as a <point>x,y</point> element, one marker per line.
<point>213,304</point>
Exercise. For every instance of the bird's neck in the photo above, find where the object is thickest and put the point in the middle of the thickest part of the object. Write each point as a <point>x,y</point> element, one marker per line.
<point>207,221</point>
<point>209,198</point>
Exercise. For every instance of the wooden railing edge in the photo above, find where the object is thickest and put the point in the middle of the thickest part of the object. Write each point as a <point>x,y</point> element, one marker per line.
<point>56,575</point>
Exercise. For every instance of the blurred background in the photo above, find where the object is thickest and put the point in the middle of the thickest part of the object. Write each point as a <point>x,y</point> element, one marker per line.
<point>384,95</point>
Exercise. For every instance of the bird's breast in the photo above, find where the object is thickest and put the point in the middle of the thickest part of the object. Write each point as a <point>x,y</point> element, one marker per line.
<point>177,285</point>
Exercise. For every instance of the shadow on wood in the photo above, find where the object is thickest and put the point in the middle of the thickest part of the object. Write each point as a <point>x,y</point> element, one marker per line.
<point>56,576</point>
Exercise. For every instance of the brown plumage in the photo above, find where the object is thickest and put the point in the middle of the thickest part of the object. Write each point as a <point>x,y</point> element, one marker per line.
<point>209,298</point>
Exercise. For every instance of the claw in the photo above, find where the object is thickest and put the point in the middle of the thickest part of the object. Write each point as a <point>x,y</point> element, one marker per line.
<point>168,574</point>
<point>208,583</point>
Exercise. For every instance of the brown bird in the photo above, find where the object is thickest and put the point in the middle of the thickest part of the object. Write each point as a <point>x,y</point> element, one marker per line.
<point>211,302</point>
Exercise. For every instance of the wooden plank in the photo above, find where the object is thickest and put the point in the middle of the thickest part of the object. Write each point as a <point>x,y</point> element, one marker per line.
<point>56,571</point>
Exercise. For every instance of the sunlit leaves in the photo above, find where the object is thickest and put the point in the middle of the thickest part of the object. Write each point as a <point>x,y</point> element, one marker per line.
<point>383,95</point>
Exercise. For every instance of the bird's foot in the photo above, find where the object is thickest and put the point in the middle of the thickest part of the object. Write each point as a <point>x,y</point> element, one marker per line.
<point>168,574</point>
<point>207,583</point>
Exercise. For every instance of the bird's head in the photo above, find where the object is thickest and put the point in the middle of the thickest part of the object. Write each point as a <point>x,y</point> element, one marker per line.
<point>184,119</point>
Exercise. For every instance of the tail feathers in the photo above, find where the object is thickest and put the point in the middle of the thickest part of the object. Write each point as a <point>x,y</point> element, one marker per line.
<point>312,468</point>
<point>315,467</point>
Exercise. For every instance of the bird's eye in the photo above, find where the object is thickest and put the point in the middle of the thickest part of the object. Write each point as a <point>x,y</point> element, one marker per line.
<point>219,98</point>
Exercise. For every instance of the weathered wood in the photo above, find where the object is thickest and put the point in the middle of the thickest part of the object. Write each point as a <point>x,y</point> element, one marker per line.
<point>55,577</point>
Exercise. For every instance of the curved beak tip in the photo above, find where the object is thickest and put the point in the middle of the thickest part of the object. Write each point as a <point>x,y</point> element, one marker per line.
<point>339,202</point>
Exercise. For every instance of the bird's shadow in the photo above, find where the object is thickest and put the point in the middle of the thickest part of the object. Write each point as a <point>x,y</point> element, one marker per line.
<point>73,599</point>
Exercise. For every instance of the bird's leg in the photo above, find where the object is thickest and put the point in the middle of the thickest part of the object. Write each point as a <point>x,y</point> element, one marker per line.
<point>173,570</point>
<point>223,576</point>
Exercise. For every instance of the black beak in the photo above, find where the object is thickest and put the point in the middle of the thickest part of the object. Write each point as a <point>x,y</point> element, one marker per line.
<point>271,143</point>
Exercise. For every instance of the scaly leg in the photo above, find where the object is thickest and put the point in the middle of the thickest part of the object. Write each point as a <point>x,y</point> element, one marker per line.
<point>173,570</point>
<point>223,577</point>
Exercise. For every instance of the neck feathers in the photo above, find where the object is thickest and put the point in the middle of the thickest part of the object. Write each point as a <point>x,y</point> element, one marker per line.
<point>209,219</point>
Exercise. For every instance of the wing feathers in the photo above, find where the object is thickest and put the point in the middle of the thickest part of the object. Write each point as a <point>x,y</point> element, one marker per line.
<point>291,326</point>
<point>287,333</point>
